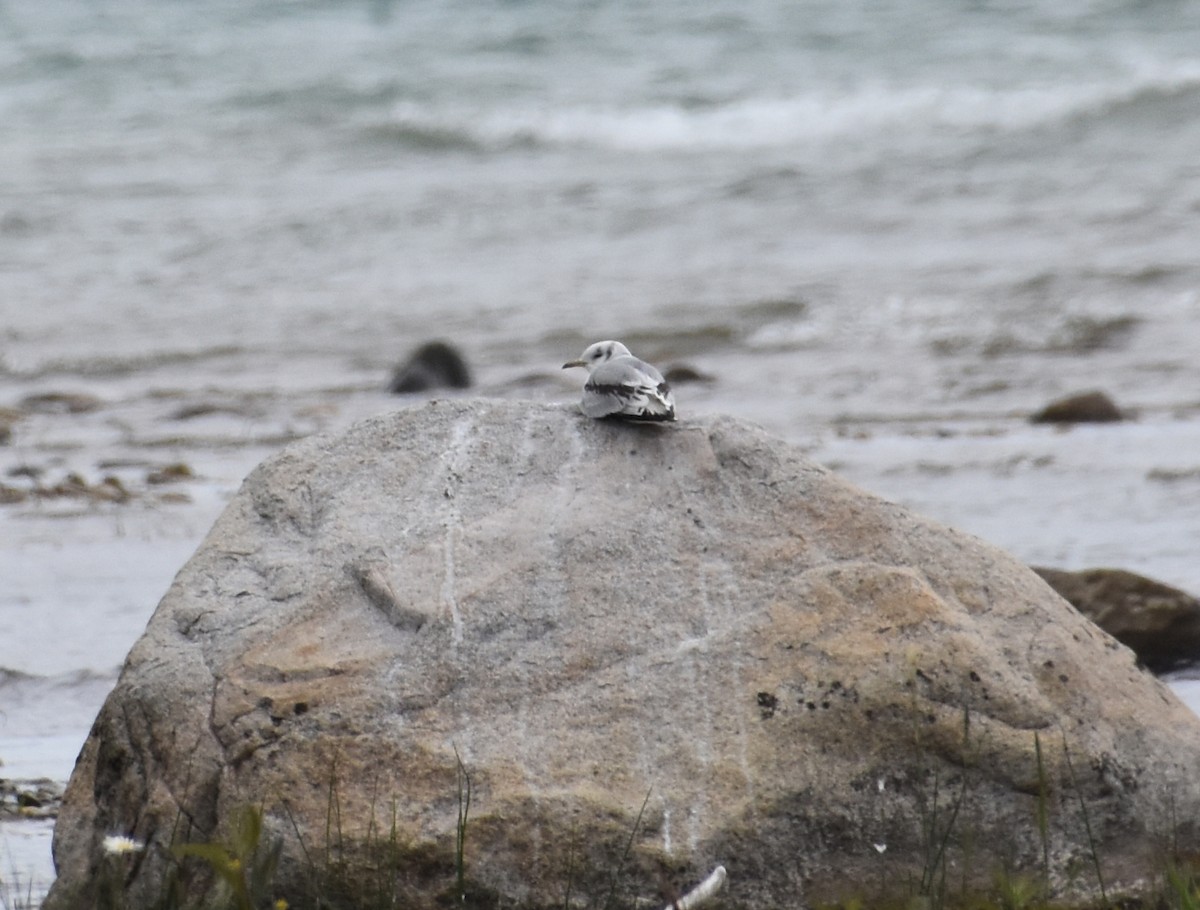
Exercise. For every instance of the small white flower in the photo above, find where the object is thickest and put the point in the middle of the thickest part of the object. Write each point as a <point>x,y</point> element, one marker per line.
<point>117,844</point>
<point>879,848</point>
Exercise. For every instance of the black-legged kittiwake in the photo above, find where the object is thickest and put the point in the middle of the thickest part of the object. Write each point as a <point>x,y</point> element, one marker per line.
<point>620,385</point>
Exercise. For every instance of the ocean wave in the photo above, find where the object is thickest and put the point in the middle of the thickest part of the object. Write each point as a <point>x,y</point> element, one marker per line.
<point>874,111</point>
<point>1144,97</point>
<point>427,137</point>
<point>315,98</point>
<point>112,366</point>
<point>10,678</point>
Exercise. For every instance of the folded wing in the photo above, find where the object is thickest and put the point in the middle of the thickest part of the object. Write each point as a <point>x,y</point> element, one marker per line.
<point>628,387</point>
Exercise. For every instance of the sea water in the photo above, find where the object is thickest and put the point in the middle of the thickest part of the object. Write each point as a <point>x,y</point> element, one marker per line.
<point>887,230</point>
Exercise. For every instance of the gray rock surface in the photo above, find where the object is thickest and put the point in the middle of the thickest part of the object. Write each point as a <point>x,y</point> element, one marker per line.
<point>793,670</point>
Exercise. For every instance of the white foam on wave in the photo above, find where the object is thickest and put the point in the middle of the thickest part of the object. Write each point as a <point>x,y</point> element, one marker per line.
<point>870,110</point>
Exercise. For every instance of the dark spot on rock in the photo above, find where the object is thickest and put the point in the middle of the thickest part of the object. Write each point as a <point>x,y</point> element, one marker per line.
<point>301,707</point>
<point>825,705</point>
<point>812,706</point>
<point>1062,677</point>
<point>974,676</point>
<point>767,703</point>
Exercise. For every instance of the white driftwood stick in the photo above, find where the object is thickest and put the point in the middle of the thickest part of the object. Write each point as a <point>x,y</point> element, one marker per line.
<point>702,893</point>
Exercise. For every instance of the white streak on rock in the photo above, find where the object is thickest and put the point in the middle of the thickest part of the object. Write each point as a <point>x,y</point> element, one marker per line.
<point>702,893</point>
<point>448,595</point>
<point>453,460</point>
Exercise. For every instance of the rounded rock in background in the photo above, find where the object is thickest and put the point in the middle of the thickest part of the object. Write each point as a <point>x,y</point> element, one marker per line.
<point>683,373</point>
<point>434,365</point>
<point>1084,407</point>
<point>1160,624</point>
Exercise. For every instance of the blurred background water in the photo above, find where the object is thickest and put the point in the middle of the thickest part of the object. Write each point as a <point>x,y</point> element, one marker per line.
<point>888,229</point>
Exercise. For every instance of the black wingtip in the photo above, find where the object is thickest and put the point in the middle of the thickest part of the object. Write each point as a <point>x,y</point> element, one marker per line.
<point>646,417</point>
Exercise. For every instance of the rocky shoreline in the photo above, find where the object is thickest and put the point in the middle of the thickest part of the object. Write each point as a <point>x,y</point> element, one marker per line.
<point>34,800</point>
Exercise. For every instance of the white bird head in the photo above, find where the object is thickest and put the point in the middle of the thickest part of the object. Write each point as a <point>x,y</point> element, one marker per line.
<point>598,353</point>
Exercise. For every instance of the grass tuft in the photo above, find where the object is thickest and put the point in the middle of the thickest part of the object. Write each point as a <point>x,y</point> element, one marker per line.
<point>1087,824</point>
<point>240,871</point>
<point>460,831</point>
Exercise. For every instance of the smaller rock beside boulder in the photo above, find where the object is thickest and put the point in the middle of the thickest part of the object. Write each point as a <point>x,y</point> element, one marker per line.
<point>434,365</point>
<point>1159,623</point>
<point>1084,407</point>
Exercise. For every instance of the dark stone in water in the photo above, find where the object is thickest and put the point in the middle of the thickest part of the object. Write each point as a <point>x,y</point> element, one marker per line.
<point>170,473</point>
<point>60,403</point>
<point>207,409</point>
<point>12,495</point>
<point>681,373</point>
<point>1085,407</point>
<point>434,365</point>
<point>29,799</point>
<point>1160,624</point>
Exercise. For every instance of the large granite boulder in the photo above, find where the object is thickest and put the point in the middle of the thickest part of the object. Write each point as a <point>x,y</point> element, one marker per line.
<point>653,650</point>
